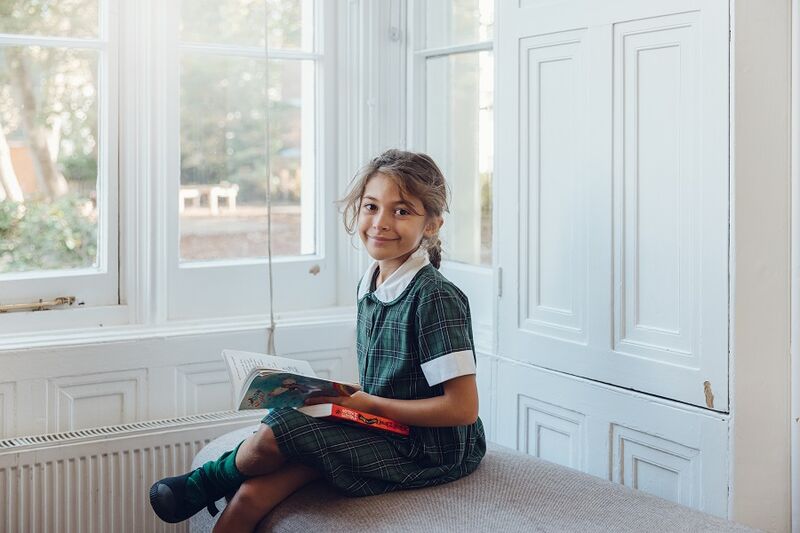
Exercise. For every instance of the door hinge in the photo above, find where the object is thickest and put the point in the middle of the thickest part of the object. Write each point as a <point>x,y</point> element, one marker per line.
<point>499,282</point>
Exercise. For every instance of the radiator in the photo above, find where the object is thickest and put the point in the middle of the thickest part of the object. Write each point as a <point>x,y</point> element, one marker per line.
<point>97,480</point>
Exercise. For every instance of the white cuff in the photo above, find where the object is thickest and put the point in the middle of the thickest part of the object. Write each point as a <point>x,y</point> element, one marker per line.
<point>448,367</point>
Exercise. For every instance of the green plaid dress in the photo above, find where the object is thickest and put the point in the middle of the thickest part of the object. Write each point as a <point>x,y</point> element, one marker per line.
<point>413,334</point>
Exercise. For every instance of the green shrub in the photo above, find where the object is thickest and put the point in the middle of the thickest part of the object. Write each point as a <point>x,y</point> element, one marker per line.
<point>47,234</point>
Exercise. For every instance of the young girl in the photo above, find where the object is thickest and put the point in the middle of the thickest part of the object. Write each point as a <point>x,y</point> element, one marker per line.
<point>416,362</point>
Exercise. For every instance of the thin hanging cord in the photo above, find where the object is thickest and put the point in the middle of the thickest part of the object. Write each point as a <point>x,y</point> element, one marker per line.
<point>271,330</point>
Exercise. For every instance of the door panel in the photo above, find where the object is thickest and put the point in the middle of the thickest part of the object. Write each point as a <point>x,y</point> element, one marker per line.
<point>612,164</point>
<point>672,451</point>
<point>552,229</point>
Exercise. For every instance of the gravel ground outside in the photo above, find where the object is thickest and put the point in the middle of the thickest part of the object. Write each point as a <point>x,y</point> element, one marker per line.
<point>243,233</point>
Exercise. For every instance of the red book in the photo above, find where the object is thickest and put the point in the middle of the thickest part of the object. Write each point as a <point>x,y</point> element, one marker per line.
<point>333,411</point>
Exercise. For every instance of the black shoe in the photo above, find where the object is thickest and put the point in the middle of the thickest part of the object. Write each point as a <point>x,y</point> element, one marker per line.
<point>168,499</point>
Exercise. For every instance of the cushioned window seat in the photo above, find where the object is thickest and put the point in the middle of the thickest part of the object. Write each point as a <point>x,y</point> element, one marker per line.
<point>510,491</point>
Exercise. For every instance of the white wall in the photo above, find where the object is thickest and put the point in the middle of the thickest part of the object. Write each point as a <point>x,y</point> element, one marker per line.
<point>760,377</point>
<point>174,373</point>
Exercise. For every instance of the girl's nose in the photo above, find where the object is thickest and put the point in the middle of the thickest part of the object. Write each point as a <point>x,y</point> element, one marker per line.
<point>380,221</point>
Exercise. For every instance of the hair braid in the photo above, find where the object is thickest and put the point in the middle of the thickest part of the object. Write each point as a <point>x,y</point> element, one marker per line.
<point>435,251</point>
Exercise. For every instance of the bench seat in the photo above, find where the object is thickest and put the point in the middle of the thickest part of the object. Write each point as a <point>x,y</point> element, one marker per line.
<point>510,491</point>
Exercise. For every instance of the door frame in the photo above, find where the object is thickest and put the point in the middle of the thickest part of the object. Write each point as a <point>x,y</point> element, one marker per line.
<point>795,267</point>
<point>760,247</point>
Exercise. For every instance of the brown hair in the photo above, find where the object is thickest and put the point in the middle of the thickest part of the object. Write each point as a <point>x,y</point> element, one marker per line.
<point>415,174</point>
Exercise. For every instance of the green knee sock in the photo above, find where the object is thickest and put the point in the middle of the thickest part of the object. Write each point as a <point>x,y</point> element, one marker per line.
<point>222,475</point>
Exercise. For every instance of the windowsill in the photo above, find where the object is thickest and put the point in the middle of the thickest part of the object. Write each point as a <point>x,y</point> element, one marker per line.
<point>117,333</point>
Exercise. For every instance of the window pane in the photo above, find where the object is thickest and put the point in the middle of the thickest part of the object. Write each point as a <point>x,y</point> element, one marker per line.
<point>241,22</point>
<point>223,179</point>
<point>460,102</point>
<point>458,22</point>
<point>55,18</point>
<point>48,158</point>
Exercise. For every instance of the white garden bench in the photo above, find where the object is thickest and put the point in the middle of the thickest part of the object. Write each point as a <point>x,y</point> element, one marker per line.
<point>193,194</point>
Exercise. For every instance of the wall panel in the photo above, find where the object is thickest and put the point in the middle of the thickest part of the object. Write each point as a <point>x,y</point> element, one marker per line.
<point>552,231</point>
<point>672,450</point>
<point>77,387</point>
<point>658,189</point>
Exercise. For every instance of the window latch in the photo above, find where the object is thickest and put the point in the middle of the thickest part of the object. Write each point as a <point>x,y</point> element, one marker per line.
<point>38,306</point>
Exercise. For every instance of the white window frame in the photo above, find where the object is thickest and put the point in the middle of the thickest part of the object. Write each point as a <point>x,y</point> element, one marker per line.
<point>146,293</point>
<point>96,290</point>
<point>479,282</point>
<point>208,289</point>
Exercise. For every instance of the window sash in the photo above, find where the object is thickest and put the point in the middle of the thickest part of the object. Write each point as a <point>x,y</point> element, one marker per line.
<point>417,88</point>
<point>234,287</point>
<point>93,287</point>
<point>479,282</point>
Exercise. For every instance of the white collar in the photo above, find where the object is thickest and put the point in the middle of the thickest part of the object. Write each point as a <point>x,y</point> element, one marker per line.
<point>397,282</point>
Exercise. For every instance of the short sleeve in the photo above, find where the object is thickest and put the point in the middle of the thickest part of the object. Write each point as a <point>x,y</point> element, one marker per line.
<point>445,337</point>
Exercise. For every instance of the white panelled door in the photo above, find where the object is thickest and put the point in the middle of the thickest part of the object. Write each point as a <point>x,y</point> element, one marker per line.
<point>612,164</point>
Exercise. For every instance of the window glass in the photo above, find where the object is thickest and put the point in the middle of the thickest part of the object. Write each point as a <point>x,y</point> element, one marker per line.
<point>48,158</point>
<point>458,133</point>
<point>241,22</point>
<point>53,18</point>
<point>458,22</point>
<point>223,191</point>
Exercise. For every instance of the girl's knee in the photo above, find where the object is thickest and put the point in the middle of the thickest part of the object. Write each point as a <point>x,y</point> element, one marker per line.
<point>265,443</point>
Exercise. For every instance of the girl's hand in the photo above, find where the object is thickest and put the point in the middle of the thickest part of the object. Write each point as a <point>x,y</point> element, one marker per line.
<point>359,400</point>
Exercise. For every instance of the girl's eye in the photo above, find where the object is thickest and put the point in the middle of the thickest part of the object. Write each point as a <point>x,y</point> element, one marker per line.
<point>369,207</point>
<point>402,212</point>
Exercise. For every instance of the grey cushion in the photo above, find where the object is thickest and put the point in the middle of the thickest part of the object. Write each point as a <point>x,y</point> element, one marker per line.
<point>510,491</point>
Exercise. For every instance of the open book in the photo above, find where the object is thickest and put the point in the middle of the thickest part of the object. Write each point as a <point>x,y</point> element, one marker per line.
<point>269,382</point>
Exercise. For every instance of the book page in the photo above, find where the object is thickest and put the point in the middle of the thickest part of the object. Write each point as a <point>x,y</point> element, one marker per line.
<point>242,364</point>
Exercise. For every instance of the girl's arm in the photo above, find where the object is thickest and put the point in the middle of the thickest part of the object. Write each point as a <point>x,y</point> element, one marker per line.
<point>458,406</point>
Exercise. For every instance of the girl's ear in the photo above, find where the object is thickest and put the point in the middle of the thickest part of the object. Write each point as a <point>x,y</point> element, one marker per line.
<point>433,225</point>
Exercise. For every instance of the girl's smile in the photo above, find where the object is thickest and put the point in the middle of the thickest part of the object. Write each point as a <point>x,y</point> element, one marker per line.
<point>381,240</point>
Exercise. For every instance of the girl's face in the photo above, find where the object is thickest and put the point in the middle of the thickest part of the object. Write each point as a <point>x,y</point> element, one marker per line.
<point>391,227</point>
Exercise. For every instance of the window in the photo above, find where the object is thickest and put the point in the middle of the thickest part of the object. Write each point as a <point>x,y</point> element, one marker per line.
<point>227,94</point>
<point>186,96</point>
<point>223,208</point>
<point>454,60</point>
<point>58,161</point>
<point>451,95</point>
